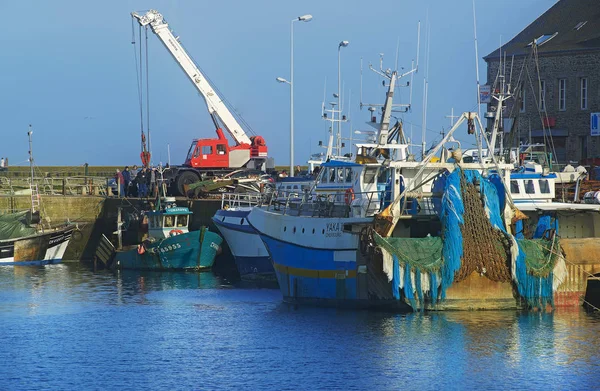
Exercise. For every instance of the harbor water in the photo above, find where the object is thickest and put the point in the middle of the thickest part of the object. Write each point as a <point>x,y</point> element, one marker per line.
<point>64,327</point>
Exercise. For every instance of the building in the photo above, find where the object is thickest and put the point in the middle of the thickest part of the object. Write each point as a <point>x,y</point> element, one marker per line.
<point>553,68</point>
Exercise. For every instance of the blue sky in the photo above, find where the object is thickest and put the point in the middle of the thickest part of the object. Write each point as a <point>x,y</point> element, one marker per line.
<point>68,69</point>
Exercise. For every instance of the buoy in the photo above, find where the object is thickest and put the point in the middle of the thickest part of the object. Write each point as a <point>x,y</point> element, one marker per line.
<point>349,196</point>
<point>174,232</point>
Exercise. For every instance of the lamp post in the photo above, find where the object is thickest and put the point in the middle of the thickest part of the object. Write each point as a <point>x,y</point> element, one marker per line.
<point>303,18</point>
<point>339,94</point>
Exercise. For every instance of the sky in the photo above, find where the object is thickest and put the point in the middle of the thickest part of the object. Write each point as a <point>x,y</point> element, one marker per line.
<point>68,69</point>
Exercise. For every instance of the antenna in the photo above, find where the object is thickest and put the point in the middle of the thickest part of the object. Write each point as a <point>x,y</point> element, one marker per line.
<point>479,147</point>
<point>418,44</point>
<point>361,74</point>
<point>397,48</point>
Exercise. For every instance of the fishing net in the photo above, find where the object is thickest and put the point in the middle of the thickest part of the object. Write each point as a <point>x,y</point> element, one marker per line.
<point>474,239</point>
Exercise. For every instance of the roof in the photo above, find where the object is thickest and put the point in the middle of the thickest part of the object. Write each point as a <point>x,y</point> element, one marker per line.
<point>569,25</point>
<point>339,163</point>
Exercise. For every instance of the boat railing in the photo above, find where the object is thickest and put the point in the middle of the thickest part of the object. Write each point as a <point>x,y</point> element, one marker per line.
<point>241,200</point>
<point>337,204</point>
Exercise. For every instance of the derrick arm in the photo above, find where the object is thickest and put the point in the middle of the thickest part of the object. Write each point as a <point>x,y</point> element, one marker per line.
<point>216,106</point>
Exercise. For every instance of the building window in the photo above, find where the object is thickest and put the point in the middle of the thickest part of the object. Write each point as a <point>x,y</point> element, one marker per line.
<point>542,95</point>
<point>522,99</point>
<point>584,147</point>
<point>562,94</point>
<point>584,92</point>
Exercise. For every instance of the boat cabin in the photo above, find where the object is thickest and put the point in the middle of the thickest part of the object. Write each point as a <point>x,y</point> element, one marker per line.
<point>348,182</point>
<point>170,221</point>
<point>532,187</point>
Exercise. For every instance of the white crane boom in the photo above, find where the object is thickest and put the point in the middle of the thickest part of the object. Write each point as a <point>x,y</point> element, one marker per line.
<point>215,105</point>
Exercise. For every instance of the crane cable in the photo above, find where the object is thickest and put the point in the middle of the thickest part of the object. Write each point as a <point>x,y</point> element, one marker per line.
<point>137,73</point>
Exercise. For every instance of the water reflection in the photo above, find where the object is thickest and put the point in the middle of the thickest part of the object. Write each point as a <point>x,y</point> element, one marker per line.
<point>147,319</point>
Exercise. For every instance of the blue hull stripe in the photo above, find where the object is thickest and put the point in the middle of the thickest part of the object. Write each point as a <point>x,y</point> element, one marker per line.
<point>235,227</point>
<point>33,263</point>
<point>232,213</point>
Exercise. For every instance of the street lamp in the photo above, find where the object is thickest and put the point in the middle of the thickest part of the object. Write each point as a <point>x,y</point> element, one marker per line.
<point>303,18</point>
<point>342,44</point>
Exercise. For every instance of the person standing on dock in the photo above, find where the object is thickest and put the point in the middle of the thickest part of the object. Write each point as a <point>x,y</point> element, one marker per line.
<point>152,177</point>
<point>142,180</point>
<point>121,182</point>
<point>133,188</point>
<point>127,178</point>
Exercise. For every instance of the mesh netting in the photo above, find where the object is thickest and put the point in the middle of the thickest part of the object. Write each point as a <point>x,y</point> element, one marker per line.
<point>473,239</point>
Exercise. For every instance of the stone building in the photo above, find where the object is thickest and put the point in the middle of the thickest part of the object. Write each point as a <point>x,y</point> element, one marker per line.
<point>553,67</point>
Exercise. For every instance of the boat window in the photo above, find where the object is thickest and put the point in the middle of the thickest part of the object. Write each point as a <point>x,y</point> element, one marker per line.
<point>341,175</point>
<point>155,222</point>
<point>207,150</point>
<point>544,186</point>
<point>169,221</point>
<point>182,221</point>
<point>332,175</point>
<point>295,187</point>
<point>370,175</point>
<point>514,187</point>
<point>349,175</point>
<point>529,189</point>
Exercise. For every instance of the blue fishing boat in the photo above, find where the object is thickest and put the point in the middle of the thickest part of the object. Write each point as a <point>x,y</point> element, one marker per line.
<point>170,245</point>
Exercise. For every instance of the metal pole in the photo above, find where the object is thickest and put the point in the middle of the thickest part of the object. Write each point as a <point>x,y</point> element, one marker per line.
<point>292,97</point>
<point>30,154</point>
<point>339,103</point>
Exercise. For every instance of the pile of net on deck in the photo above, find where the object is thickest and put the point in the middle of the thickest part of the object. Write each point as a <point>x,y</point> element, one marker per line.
<point>15,225</point>
<point>473,239</point>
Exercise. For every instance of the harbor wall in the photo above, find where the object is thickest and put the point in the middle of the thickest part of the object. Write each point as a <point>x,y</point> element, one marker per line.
<point>97,216</point>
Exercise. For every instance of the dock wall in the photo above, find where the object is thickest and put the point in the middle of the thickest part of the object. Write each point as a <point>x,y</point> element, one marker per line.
<point>96,216</point>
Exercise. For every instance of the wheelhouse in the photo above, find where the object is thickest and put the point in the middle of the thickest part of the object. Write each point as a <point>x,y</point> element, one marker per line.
<point>168,222</point>
<point>525,187</point>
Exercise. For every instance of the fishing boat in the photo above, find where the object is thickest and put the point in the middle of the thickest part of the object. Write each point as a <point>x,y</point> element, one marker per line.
<point>24,240</point>
<point>250,254</point>
<point>450,235</point>
<point>169,245</point>
<point>22,243</point>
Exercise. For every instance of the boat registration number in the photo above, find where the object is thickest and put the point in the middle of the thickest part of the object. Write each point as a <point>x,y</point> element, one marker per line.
<point>170,247</point>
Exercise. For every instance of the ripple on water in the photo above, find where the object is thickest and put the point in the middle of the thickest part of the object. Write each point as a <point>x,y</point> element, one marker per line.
<point>198,331</point>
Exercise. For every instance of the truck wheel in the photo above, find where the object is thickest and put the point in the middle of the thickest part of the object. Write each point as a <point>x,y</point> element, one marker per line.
<point>186,178</point>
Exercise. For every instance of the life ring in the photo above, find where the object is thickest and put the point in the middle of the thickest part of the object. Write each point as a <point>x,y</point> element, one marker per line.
<point>141,249</point>
<point>349,196</point>
<point>174,232</point>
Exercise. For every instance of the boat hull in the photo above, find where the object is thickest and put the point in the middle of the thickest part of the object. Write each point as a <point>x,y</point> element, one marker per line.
<point>249,252</point>
<point>194,250</point>
<point>41,249</point>
<point>317,263</point>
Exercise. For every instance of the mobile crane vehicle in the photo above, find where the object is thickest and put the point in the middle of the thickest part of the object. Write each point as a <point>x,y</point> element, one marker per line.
<point>209,157</point>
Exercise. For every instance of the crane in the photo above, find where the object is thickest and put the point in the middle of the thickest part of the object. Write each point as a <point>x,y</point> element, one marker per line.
<point>209,156</point>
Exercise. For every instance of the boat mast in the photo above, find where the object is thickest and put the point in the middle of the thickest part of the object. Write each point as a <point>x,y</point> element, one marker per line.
<point>34,200</point>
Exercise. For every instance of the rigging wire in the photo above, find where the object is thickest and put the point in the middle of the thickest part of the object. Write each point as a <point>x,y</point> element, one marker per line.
<point>137,72</point>
<point>147,96</point>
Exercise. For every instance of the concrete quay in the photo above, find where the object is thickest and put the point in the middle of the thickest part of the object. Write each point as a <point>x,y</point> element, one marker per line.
<point>98,215</point>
